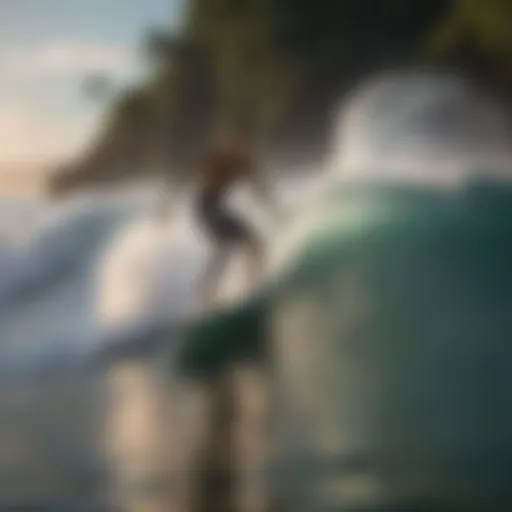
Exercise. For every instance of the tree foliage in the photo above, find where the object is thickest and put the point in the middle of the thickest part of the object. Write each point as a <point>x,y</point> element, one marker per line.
<point>477,31</point>
<point>287,63</point>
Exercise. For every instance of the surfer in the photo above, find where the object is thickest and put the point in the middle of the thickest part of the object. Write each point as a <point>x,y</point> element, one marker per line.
<point>223,166</point>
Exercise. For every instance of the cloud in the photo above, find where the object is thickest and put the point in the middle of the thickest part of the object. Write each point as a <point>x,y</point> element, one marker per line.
<point>30,124</point>
<point>67,57</point>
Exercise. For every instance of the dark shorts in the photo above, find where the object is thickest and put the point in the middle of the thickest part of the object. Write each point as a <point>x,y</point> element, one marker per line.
<point>221,224</point>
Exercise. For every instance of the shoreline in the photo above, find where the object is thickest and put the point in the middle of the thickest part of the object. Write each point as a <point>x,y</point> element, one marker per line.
<point>24,178</point>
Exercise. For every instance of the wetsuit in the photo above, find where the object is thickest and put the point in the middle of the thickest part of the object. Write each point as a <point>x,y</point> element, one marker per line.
<point>220,169</point>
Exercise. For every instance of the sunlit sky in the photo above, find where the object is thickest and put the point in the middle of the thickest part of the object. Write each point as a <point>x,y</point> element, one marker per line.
<point>46,49</point>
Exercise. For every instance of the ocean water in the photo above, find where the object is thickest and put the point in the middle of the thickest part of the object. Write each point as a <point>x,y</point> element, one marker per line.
<point>77,433</point>
<point>60,417</point>
<point>99,438</point>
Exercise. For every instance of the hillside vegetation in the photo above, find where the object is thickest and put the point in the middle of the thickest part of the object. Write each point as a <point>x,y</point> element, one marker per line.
<point>284,63</point>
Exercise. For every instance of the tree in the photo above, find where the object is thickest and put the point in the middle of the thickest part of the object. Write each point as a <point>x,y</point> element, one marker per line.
<point>288,63</point>
<point>477,32</point>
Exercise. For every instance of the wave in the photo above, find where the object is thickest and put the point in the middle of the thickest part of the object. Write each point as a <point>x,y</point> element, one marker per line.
<point>45,296</point>
<point>103,262</point>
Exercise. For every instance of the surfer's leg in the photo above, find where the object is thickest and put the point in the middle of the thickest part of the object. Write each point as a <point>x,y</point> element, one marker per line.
<point>254,253</point>
<point>237,233</point>
<point>254,260</point>
<point>213,272</point>
<point>229,232</point>
<point>211,218</point>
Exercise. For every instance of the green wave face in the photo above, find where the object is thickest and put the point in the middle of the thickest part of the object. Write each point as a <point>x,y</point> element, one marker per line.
<point>391,340</point>
<point>389,330</point>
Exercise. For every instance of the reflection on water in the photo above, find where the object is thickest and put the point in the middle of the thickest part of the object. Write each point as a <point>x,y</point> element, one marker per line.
<point>48,451</point>
<point>136,437</point>
<point>92,440</point>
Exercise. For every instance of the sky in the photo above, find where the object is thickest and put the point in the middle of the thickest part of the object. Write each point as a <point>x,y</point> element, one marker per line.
<point>47,47</point>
